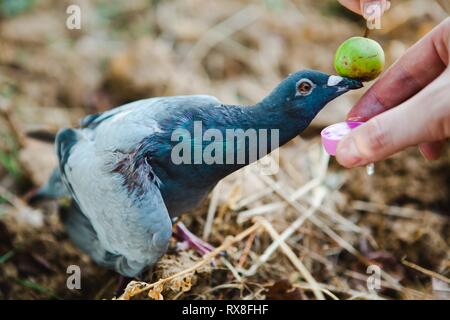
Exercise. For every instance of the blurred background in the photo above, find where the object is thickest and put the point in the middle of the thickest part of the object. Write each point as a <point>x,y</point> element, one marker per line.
<point>236,50</point>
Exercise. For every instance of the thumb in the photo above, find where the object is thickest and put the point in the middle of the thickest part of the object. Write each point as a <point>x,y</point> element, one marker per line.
<point>423,118</point>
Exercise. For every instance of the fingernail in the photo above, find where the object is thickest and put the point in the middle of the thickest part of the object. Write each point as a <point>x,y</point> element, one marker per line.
<point>347,153</point>
<point>355,118</point>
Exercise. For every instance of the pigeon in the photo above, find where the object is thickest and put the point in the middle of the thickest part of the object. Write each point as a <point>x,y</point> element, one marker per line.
<point>128,185</point>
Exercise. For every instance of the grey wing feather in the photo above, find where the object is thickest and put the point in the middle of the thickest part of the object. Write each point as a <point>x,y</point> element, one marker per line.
<point>126,232</point>
<point>91,121</point>
<point>82,233</point>
<point>65,140</point>
<point>122,231</point>
<point>54,188</point>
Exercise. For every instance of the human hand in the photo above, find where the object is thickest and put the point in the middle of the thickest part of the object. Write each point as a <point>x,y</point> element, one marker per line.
<point>409,105</point>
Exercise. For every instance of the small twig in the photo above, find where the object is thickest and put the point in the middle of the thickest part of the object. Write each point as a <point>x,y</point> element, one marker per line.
<point>251,198</point>
<point>211,211</point>
<point>396,211</point>
<point>224,286</point>
<point>366,32</point>
<point>336,217</point>
<point>271,207</point>
<point>310,185</point>
<point>329,287</point>
<point>315,256</point>
<point>425,271</point>
<point>246,251</point>
<point>325,291</point>
<point>232,269</point>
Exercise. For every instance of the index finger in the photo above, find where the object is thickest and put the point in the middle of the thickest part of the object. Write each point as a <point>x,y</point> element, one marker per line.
<point>420,65</point>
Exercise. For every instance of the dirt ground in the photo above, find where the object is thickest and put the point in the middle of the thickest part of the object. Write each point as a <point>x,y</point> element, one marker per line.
<point>237,50</point>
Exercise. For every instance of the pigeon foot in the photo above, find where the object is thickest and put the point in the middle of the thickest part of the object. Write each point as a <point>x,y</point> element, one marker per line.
<point>190,240</point>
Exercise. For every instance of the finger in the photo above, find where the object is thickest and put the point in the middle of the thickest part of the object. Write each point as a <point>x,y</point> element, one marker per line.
<point>432,150</point>
<point>422,63</point>
<point>423,118</point>
<point>353,5</point>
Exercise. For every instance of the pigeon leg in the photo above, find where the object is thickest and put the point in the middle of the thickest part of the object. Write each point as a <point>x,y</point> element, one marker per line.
<point>35,196</point>
<point>121,285</point>
<point>182,233</point>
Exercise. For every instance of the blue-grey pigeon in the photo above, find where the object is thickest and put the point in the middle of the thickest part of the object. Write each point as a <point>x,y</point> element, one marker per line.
<point>126,185</point>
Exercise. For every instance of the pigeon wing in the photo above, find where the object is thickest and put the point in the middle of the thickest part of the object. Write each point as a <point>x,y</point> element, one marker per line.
<point>126,231</point>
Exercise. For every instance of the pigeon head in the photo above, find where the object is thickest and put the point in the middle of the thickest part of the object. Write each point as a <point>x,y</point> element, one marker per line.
<point>303,94</point>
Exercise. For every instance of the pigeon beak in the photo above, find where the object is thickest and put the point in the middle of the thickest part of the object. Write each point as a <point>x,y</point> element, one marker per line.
<point>343,84</point>
<point>351,84</point>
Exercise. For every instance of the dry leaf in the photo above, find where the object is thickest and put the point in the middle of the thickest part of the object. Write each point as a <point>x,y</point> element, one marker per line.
<point>39,159</point>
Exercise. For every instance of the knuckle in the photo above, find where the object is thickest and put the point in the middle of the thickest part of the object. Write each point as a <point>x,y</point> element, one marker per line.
<point>443,30</point>
<point>446,24</point>
<point>377,139</point>
<point>438,117</point>
<point>442,128</point>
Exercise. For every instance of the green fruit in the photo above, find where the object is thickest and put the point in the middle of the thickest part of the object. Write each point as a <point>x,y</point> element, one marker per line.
<point>359,58</point>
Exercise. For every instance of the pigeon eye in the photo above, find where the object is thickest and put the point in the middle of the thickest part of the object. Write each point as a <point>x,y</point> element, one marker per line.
<point>304,87</point>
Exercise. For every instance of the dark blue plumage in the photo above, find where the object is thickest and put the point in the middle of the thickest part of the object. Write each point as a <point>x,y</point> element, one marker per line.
<point>119,169</point>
